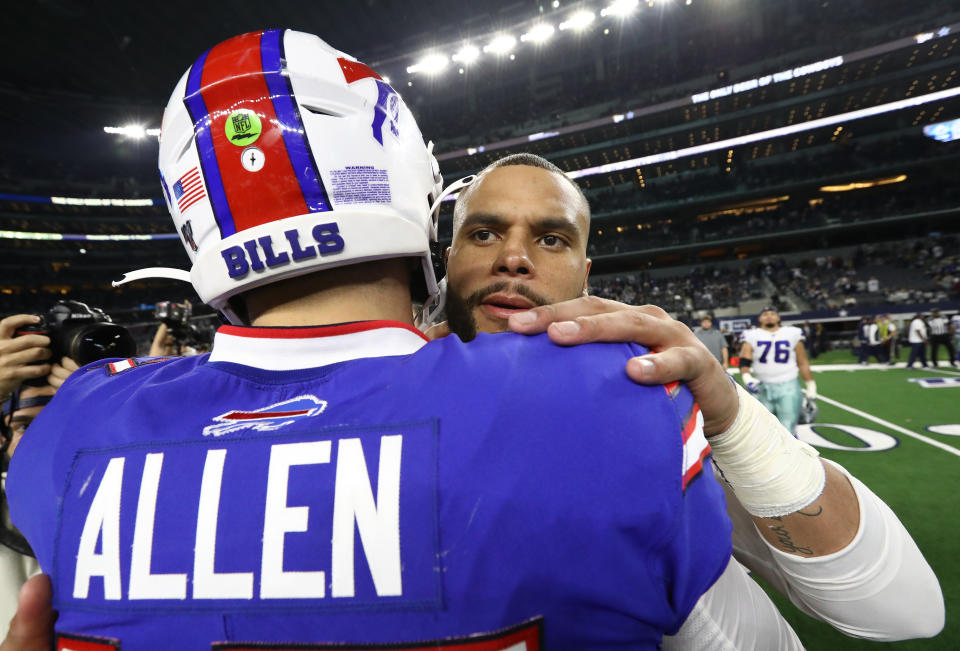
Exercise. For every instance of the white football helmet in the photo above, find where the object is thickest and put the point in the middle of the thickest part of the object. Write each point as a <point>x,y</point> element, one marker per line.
<point>280,156</point>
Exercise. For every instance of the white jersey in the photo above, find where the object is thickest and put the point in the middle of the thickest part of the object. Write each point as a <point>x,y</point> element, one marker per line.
<point>774,353</point>
<point>918,331</point>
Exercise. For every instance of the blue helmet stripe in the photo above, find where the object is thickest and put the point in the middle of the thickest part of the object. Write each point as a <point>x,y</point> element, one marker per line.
<point>281,94</point>
<point>208,157</point>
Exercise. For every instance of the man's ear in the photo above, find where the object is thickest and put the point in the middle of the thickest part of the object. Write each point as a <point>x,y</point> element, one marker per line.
<point>586,278</point>
<point>446,256</point>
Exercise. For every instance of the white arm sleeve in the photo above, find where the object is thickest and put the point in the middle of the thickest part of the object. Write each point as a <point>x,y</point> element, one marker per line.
<point>879,587</point>
<point>735,614</point>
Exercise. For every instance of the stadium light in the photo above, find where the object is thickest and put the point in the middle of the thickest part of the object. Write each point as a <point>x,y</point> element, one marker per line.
<point>92,201</point>
<point>134,131</point>
<point>767,135</point>
<point>431,64</point>
<point>466,54</point>
<point>538,33</point>
<point>860,185</point>
<point>500,44</point>
<point>578,21</point>
<point>620,8</point>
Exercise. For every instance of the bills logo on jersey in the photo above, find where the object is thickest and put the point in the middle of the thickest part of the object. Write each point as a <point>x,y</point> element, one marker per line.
<point>268,418</point>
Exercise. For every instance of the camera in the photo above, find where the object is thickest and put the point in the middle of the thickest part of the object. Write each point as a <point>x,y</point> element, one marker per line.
<point>176,316</point>
<point>82,333</point>
<point>173,315</point>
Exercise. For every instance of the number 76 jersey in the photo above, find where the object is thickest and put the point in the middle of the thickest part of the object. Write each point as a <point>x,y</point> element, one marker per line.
<point>774,353</point>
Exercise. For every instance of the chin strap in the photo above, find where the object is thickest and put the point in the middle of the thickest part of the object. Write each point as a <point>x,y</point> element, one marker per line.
<point>433,307</point>
<point>153,272</point>
<point>456,186</point>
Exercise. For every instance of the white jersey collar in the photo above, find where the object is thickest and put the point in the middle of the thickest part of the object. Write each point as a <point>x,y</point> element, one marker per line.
<point>287,349</point>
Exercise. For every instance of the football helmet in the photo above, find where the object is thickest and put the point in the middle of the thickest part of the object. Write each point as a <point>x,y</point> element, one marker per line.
<point>280,156</point>
<point>808,411</point>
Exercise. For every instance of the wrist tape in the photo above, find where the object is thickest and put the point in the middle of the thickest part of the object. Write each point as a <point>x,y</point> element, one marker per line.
<point>771,472</point>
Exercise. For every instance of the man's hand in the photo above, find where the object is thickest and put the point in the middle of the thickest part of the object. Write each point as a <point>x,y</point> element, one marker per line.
<point>163,344</point>
<point>18,354</point>
<point>676,353</point>
<point>31,629</point>
<point>60,372</point>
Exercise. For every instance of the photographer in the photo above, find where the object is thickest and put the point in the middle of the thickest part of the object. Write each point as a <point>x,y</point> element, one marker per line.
<point>17,564</point>
<point>28,380</point>
<point>163,344</point>
<point>23,358</point>
<point>176,336</point>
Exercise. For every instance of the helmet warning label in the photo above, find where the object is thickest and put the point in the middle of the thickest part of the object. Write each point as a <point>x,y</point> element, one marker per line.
<point>360,184</point>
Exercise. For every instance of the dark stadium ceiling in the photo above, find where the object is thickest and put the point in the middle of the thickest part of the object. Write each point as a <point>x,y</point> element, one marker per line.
<point>68,68</point>
<point>137,50</point>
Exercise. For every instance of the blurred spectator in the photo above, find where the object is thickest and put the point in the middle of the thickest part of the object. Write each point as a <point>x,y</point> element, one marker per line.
<point>941,334</point>
<point>713,340</point>
<point>918,341</point>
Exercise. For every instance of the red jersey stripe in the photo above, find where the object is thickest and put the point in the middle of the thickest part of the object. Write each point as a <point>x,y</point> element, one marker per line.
<point>691,422</point>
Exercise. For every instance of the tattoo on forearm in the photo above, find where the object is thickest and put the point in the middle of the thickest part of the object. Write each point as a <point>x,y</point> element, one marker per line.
<point>786,540</point>
<point>812,515</point>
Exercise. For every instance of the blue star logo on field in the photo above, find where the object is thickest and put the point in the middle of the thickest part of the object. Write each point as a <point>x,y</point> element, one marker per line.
<point>936,382</point>
<point>267,418</point>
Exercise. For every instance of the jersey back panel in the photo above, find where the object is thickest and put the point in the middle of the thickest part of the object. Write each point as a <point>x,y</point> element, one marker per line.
<point>503,486</point>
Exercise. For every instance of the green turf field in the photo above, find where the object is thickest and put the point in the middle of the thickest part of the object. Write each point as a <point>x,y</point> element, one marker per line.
<point>919,481</point>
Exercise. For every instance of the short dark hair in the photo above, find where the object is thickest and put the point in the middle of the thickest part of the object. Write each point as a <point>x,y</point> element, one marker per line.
<point>529,160</point>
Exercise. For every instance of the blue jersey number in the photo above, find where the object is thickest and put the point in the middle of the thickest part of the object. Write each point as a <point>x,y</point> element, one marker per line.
<point>781,352</point>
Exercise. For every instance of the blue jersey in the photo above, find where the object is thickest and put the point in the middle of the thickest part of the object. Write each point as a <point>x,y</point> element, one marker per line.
<point>351,486</point>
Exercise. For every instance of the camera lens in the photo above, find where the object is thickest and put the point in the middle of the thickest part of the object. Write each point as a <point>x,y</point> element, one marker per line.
<point>100,341</point>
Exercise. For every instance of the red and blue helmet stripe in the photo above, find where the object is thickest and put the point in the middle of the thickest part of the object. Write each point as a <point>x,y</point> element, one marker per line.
<point>251,67</point>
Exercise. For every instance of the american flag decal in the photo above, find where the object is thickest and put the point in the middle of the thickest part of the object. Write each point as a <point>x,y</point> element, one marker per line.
<point>188,189</point>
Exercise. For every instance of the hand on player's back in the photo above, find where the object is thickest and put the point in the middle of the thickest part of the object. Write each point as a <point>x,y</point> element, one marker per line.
<point>676,353</point>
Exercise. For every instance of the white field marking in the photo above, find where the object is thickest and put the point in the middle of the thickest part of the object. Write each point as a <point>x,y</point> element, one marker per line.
<point>935,370</point>
<point>896,428</point>
<point>945,430</point>
<point>860,367</point>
